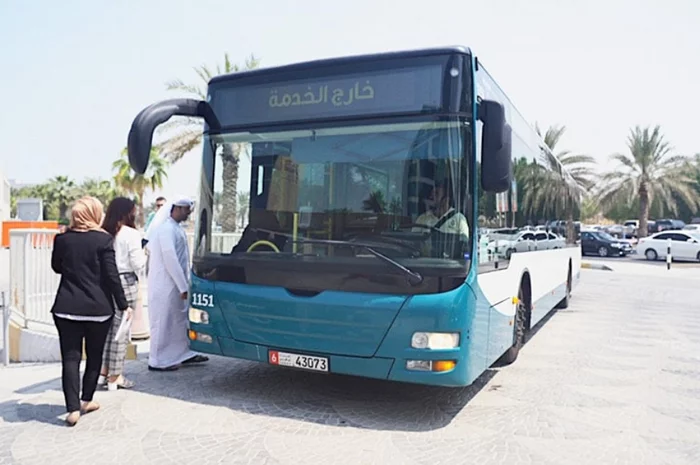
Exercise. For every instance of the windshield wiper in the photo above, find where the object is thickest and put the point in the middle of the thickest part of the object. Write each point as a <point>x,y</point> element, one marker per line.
<point>414,278</point>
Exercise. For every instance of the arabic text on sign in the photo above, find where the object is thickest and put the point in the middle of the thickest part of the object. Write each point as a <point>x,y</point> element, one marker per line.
<point>338,97</point>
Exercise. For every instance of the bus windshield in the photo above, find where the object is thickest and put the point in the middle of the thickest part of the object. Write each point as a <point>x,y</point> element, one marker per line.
<point>399,188</point>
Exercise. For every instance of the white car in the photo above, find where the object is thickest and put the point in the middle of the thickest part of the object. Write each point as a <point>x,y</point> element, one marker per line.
<point>526,241</point>
<point>685,245</point>
<point>547,240</point>
<point>692,227</point>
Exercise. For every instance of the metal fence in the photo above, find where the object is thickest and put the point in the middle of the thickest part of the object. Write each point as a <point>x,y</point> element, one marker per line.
<point>5,312</point>
<point>33,283</point>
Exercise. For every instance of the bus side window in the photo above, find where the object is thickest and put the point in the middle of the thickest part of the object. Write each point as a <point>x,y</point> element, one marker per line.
<point>201,244</point>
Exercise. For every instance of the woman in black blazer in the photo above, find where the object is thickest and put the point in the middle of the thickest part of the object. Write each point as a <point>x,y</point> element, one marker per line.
<point>83,309</point>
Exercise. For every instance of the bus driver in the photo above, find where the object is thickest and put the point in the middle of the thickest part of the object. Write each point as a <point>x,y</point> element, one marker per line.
<point>442,215</point>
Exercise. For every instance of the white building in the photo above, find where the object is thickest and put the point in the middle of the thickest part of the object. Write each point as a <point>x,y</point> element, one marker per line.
<point>4,198</point>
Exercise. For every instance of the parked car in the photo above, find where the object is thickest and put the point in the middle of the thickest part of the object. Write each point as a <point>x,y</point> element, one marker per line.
<point>631,227</point>
<point>547,240</point>
<point>651,227</point>
<point>692,227</point>
<point>615,230</point>
<point>525,241</point>
<point>603,244</point>
<point>685,245</point>
<point>667,224</point>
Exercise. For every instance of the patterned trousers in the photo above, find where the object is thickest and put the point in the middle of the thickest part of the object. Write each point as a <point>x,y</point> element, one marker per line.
<point>115,351</point>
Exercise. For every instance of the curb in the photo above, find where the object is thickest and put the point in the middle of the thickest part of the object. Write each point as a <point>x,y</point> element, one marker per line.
<point>28,345</point>
<point>595,266</point>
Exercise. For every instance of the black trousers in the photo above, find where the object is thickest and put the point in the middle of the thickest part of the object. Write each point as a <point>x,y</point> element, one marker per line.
<point>71,335</point>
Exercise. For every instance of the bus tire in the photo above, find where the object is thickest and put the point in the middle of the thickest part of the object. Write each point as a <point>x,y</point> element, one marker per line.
<point>569,280</point>
<point>521,325</point>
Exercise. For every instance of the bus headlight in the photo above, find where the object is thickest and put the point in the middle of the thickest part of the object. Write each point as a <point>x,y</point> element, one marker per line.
<point>434,341</point>
<point>199,316</point>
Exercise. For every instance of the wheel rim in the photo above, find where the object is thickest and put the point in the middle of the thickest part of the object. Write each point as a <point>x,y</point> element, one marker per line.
<point>651,255</point>
<point>603,252</point>
<point>520,320</point>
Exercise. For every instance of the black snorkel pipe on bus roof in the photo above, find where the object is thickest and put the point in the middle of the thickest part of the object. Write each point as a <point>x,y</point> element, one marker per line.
<point>141,133</point>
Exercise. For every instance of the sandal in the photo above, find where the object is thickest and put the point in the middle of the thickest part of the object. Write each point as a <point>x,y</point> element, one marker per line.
<point>172,368</point>
<point>196,359</point>
<point>120,383</point>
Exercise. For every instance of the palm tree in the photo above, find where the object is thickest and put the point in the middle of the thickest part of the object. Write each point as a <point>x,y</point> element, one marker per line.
<point>649,172</point>
<point>243,207</point>
<point>557,182</point>
<point>137,184</point>
<point>101,189</point>
<point>375,202</point>
<point>61,192</point>
<point>189,135</point>
<point>589,208</point>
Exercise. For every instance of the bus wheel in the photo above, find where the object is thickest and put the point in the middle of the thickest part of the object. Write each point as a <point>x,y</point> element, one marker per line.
<point>522,316</point>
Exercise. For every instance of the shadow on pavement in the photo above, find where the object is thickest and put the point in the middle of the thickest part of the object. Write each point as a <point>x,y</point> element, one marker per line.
<point>38,388</point>
<point>331,400</point>
<point>15,411</point>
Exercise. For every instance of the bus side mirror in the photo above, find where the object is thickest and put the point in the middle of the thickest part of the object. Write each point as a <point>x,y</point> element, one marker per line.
<point>496,160</point>
<point>141,133</point>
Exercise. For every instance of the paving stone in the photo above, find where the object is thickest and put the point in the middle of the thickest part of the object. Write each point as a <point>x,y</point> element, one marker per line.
<point>614,379</point>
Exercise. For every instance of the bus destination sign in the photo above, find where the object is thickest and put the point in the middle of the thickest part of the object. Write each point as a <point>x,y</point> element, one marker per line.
<point>368,94</point>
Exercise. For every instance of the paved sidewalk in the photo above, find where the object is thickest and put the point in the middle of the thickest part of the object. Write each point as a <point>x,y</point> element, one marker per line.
<point>615,379</point>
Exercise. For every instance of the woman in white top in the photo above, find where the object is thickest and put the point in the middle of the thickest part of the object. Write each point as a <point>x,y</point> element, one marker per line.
<point>131,261</point>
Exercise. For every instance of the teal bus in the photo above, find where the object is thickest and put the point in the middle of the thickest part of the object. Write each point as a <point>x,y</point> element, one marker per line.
<point>376,185</point>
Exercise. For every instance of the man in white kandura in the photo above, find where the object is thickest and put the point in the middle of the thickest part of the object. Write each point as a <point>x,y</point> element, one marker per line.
<point>168,284</point>
<point>440,210</point>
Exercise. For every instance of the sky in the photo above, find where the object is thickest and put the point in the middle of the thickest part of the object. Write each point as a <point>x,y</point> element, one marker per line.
<point>75,73</point>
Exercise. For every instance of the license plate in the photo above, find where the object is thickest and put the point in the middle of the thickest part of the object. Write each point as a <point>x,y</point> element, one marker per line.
<point>304,362</point>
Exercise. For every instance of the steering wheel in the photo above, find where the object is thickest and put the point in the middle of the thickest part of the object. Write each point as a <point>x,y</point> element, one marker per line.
<point>257,244</point>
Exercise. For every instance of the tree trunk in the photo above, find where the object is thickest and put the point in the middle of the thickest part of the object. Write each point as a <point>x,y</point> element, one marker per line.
<point>570,231</point>
<point>229,201</point>
<point>142,216</point>
<point>643,211</point>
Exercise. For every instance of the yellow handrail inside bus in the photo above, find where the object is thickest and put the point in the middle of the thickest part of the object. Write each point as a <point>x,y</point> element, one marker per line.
<point>259,243</point>
<point>294,232</point>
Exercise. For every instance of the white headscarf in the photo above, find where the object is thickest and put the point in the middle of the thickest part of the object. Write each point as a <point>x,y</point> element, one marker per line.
<point>164,213</point>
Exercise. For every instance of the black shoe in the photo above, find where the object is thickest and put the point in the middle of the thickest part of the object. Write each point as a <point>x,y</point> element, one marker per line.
<point>196,359</point>
<point>172,368</point>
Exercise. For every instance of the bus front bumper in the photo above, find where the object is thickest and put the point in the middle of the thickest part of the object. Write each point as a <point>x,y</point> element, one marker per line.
<point>439,368</point>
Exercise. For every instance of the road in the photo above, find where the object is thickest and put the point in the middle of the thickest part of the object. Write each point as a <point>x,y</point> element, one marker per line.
<point>614,379</point>
<point>640,258</point>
